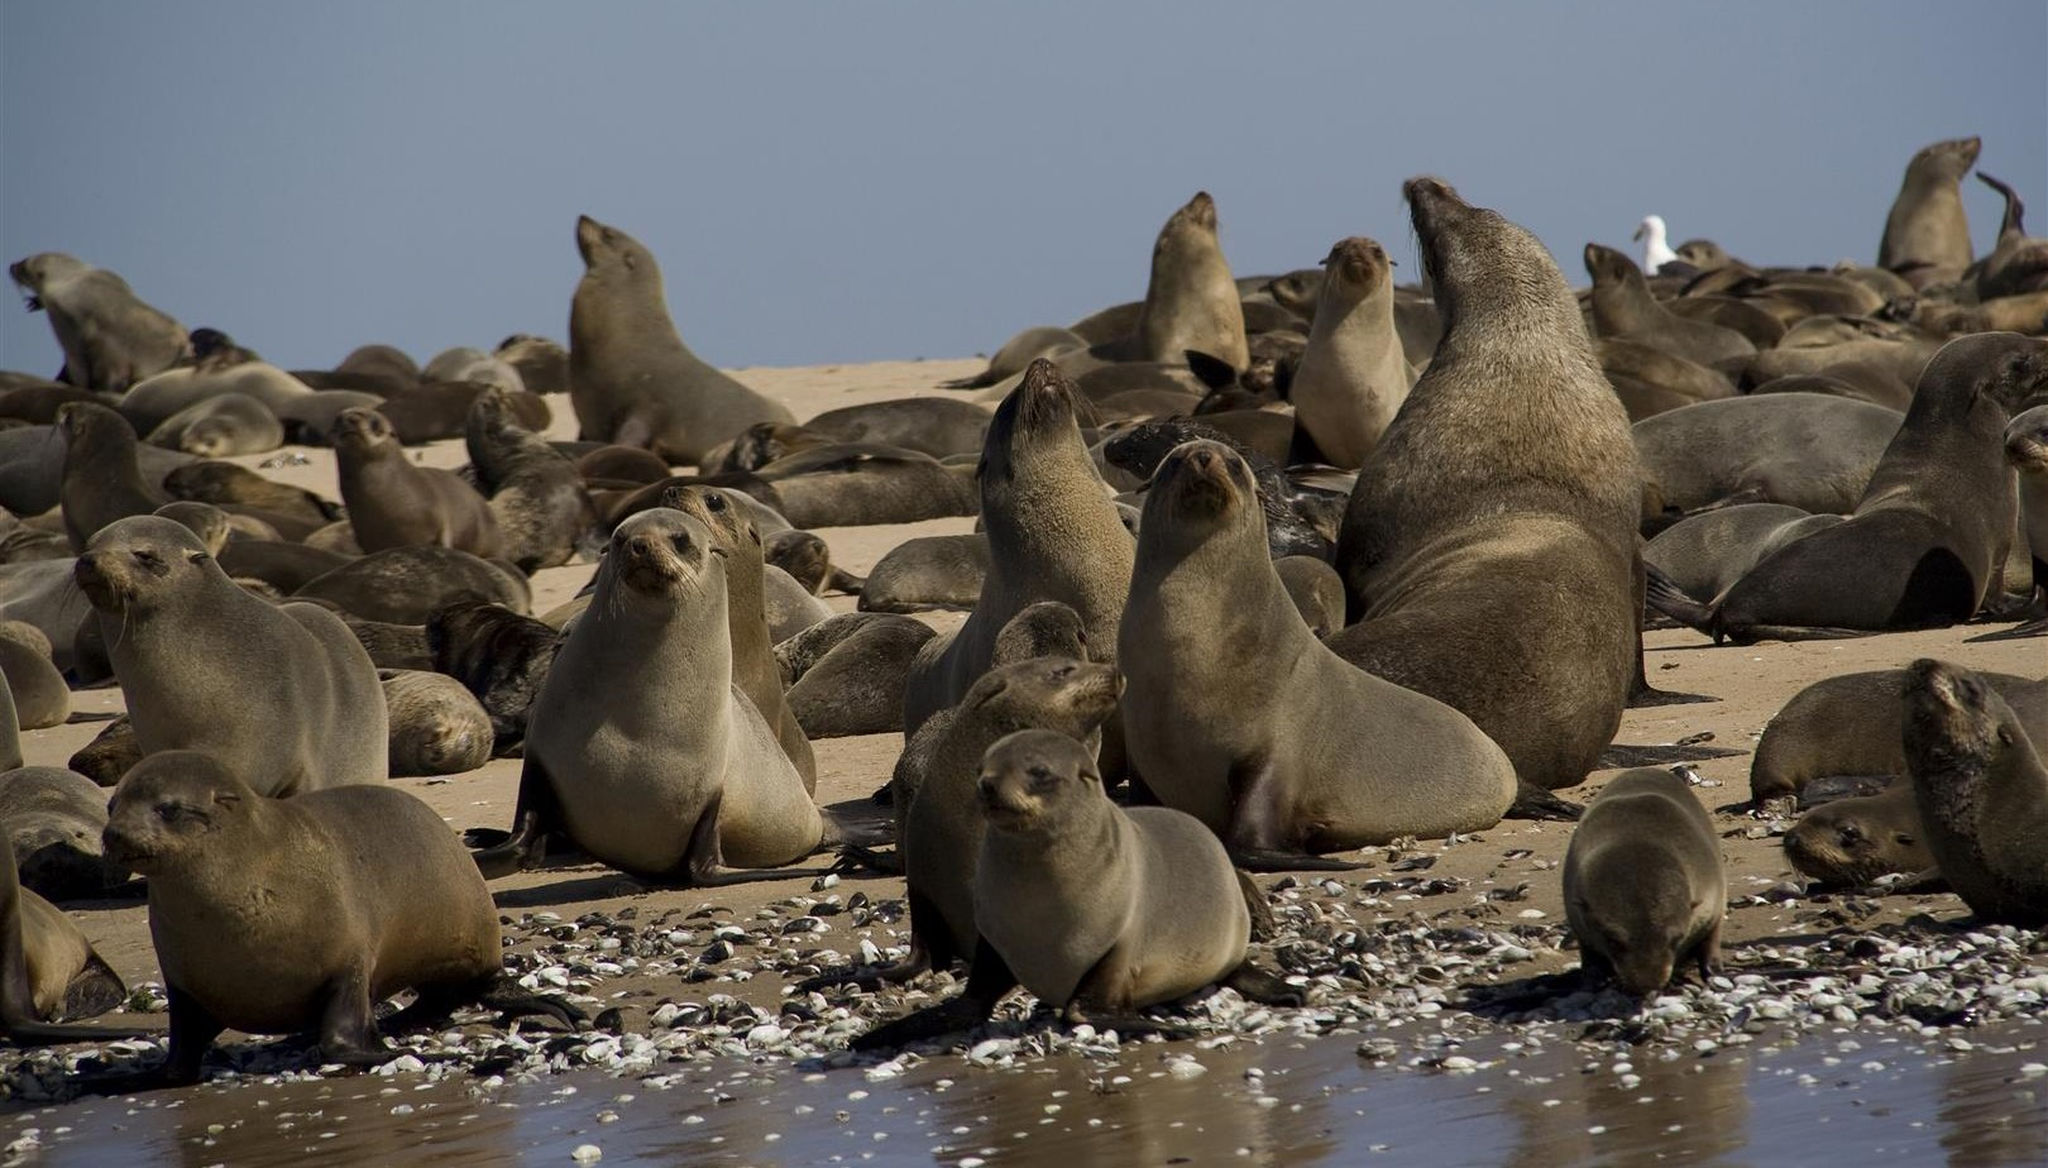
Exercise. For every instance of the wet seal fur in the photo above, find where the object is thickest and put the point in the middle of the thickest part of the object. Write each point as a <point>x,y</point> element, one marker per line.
<point>1644,888</point>
<point>1237,715</point>
<point>283,695</point>
<point>364,893</point>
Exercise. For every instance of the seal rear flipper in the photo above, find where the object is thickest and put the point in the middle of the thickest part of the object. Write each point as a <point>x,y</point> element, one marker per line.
<point>1620,755</point>
<point>96,990</point>
<point>1644,696</point>
<point>1662,593</point>
<point>1533,802</point>
<point>511,1000</point>
<point>1263,926</point>
<point>1262,986</point>
<point>854,856</point>
<point>987,983</point>
<point>2037,628</point>
<point>1253,840</point>
<point>1748,634</point>
<point>703,862</point>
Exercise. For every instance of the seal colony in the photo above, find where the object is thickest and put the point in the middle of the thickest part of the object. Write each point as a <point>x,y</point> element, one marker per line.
<point>1311,573</point>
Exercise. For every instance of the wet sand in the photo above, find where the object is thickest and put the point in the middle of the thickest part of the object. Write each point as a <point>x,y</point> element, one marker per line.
<point>1500,877</point>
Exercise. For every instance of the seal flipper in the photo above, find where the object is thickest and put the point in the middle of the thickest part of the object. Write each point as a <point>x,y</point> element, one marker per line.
<point>1533,802</point>
<point>929,949</point>
<point>703,862</point>
<point>348,1022</point>
<point>1662,593</point>
<point>535,815</point>
<point>1621,755</point>
<point>1253,815</point>
<point>987,983</point>
<point>192,1033</point>
<point>1264,987</point>
<point>96,990</point>
<point>1263,926</point>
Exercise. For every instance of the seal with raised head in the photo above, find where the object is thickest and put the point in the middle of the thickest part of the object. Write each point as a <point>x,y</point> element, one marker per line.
<point>1924,543</point>
<point>392,502</point>
<point>1237,715</point>
<point>1644,888</point>
<point>1490,546</point>
<point>640,747</point>
<point>1982,787</point>
<point>1191,303</point>
<point>632,380</point>
<point>284,695</point>
<point>1053,534</point>
<point>102,480</point>
<point>111,339</point>
<point>282,916</point>
<point>502,657</point>
<point>537,498</point>
<point>1927,235</point>
<point>1353,376</point>
<point>734,537</point>
<point>1098,910</point>
<point>1623,306</point>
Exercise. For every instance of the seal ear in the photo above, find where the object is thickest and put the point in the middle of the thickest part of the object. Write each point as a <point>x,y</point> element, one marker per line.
<point>228,799</point>
<point>982,697</point>
<point>197,558</point>
<point>1213,372</point>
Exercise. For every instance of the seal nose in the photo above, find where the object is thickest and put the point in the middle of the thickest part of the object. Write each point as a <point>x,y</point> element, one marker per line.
<point>640,547</point>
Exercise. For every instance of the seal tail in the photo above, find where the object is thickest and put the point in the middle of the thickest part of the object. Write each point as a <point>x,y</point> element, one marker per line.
<point>1662,593</point>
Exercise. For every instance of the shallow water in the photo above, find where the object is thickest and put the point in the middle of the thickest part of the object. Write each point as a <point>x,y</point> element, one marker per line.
<point>1847,1098</point>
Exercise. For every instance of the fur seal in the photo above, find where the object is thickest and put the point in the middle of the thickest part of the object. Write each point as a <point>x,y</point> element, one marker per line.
<point>1353,376</point>
<point>463,363</point>
<point>386,362</point>
<point>631,379</point>
<point>41,699</point>
<point>502,656</point>
<point>754,671</point>
<point>852,676</point>
<point>2026,448</point>
<point>1053,534</point>
<point>302,914</point>
<point>1927,235</point>
<point>52,819</point>
<point>437,727</point>
<point>542,364</point>
<point>1933,526</point>
<point>110,338</point>
<point>855,485</point>
<point>283,695</point>
<point>394,503</point>
<point>639,747</point>
<point>1097,910</point>
<point>1511,462</point>
<point>1805,450</point>
<point>310,420</point>
<point>1623,306</point>
<point>284,566</point>
<point>221,427</point>
<point>621,464</point>
<point>1239,716</point>
<point>808,560</point>
<point>403,585</point>
<point>2018,264</point>
<point>1021,350</point>
<point>1291,514</point>
<point>228,486</point>
<point>1982,791</point>
<point>109,755</point>
<point>928,572</point>
<point>1191,303</point>
<point>48,969</point>
<point>435,410</point>
<point>151,403</point>
<point>1644,889</point>
<point>1704,553</point>
<point>1851,842</point>
<point>102,480</point>
<point>537,498</point>
<point>938,426</point>
<point>1316,590</point>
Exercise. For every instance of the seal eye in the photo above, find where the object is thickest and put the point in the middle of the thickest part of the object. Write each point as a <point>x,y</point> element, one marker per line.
<point>1041,777</point>
<point>715,502</point>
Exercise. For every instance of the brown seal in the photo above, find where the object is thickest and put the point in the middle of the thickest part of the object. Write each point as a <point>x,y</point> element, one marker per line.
<point>363,893</point>
<point>1927,236</point>
<point>631,379</point>
<point>282,695</point>
<point>1191,304</point>
<point>48,969</point>
<point>437,726</point>
<point>502,657</point>
<point>111,339</point>
<point>392,502</point>
<point>41,699</point>
<point>847,673</point>
<point>403,585</point>
<point>537,498</point>
<point>1933,526</point>
<point>1623,306</point>
<point>1490,546</point>
<point>1353,376</point>
<point>1852,842</point>
<point>1237,715</point>
<point>1644,888</point>
<point>102,480</point>
<point>1806,450</point>
<point>1982,790</point>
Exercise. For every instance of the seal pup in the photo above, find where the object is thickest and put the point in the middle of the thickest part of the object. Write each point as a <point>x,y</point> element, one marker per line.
<point>1656,246</point>
<point>1353,376</point>
<point>537,498</point>
<point>437,726</point>
<point>221,427</point>
<point>1098,910</point>
<point>1623,306</point>
<point>102,480</point>
<point>502,657</point>
<point>291,915</point>
<point>542,364</point>
<point>1510,463</point>
<point>1927,235</point>
<point>394,503</point>
<point>281,694</point>
<point>1053,534</point>
<point>754,671</point>
<point>1644,889</point>
<point>1848,843</point>
<point>640,748</point>
<point>1237,714</point>
<point>110,338</point>
<point>404,585</point>
<point>1191,303</point>
<point>1933,526</point>
<point>632,381</point>
<point>1982,791</point>
<point>49,971</point>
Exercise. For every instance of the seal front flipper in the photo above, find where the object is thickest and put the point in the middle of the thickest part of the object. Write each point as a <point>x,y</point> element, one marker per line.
<point>987,983</point>
<point>1263,926</point>
<point>348,1022</point>
<point>536,814</point>
<point>1254,818</point>
<point>193,1030</point>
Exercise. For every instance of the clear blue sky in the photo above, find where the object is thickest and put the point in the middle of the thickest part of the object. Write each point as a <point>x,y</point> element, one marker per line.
<point>845,182</point>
